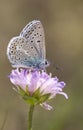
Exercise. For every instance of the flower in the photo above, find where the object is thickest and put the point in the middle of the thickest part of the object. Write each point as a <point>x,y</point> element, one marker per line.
<point>36,87</point>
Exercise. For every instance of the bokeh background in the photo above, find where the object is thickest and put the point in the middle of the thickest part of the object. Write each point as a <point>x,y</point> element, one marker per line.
<point>63,24</point>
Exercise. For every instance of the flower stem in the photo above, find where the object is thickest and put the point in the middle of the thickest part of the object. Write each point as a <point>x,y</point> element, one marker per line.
<point>30,116</point>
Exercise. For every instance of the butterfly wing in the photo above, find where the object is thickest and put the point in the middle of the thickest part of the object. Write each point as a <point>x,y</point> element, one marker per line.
<point>28,49</point>
<point>20,53</point>
<point>34,35</point>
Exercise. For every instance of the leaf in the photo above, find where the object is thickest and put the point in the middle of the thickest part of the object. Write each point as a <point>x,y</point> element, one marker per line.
<point>43,98</point>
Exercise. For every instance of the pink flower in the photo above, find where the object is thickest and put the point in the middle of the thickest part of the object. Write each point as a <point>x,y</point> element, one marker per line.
<point>36,87</point>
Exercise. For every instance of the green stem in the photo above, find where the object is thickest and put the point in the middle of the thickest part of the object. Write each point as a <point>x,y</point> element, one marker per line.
<point>30,116</point>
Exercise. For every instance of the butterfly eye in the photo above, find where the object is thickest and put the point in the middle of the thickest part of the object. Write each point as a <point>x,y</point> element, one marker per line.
<point>47,63</point>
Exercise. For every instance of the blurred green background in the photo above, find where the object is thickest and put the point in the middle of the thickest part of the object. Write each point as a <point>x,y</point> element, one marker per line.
<point>63,24</point>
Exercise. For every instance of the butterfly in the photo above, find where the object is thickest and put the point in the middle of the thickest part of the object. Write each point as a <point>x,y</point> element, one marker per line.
<point>28,49</point>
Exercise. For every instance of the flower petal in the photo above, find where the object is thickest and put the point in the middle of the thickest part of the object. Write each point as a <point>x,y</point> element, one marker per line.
<point>37,84</point>
<point>46,106</point>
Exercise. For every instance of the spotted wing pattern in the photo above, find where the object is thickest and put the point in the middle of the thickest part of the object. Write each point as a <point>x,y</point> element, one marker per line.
<point>34,34</point>
<point>28,49</point>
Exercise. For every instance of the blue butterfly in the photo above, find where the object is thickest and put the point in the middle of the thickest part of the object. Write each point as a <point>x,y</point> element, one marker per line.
<point>28,49</point>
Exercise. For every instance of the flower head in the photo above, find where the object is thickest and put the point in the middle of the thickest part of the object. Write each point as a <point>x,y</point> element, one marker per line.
<point>36,87</point>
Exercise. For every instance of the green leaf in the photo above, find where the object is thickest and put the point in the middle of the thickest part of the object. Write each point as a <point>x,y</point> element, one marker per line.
<point>35,98</point>
<point>37,93</point>
<point>43,98</point>
<point>30,100</point>
<point>22,92</point>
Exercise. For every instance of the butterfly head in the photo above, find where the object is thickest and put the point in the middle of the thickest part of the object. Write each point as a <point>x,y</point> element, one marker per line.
<point>42,64</point>
<point>37,64</point>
